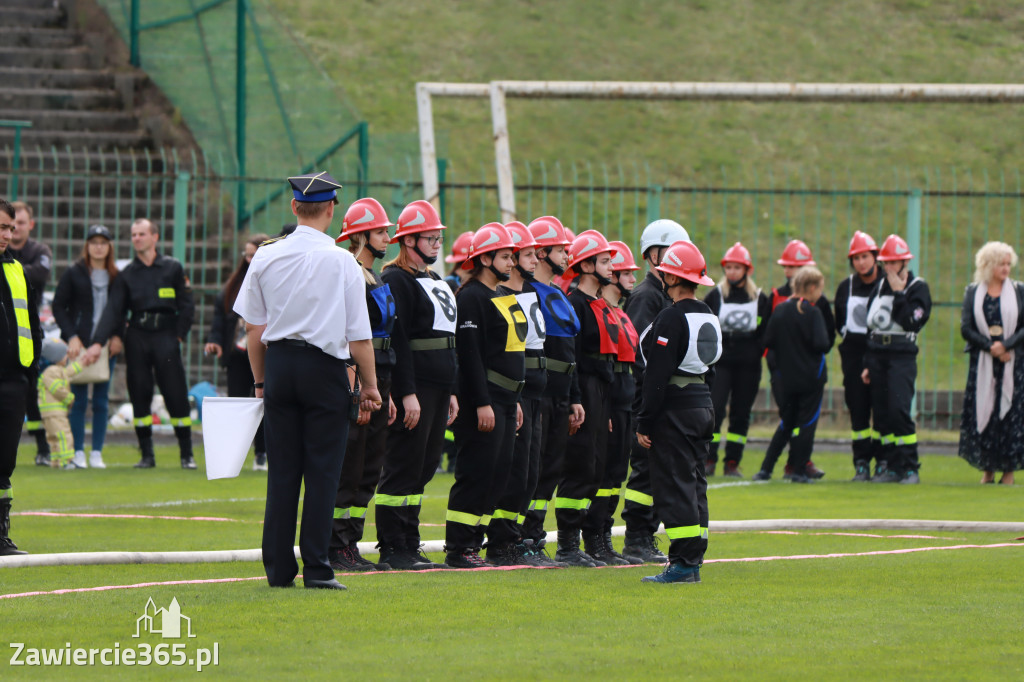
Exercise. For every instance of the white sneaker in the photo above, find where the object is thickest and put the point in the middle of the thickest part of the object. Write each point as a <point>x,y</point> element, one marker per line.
<point>79,460</point>
<point>96,460</point>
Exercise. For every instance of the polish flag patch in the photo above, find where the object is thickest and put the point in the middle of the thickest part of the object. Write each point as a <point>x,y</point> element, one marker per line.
<point>662,341</point>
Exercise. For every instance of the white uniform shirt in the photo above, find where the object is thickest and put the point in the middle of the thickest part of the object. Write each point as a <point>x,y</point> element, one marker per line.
<point>305,287</point>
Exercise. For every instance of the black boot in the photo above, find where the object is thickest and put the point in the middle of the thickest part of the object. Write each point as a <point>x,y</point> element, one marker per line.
<point>416,552</point>
<point>569,552</point>
<point>401,559</point>
<point>185,448</point>
<point>644,547</point>
<point>593,544</point>
<point>610,548</point>
<point>7,546</point>
<point>148,460</point>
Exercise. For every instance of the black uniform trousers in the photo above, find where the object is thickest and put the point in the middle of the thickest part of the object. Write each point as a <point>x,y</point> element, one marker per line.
<point>892,393</point>
<point>740,381</point>
<point>857,395</point>
<point>482,468</point>
<point>679,446</point>
<point>149,353</point>
<point>638,499</point>
<point>554,432</point>
<point>240,385</point>
<point>34,425</point>
<point>12,418</point>
<point>360,473</point>
<point>616,467</point>
<point>306,404</point>
<point>411,459</point>
<point>799,410</point>
<point>521,482</point>
<point>585,455</point>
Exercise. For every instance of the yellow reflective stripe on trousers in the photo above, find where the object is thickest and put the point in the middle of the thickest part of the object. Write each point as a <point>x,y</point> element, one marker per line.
<point>604,492</point>
<point>350,512</point>
<point>15,276</point>
<point>887,439</point>
<point>33,426</point>
<point>505,514</point>
<point>538,505</point>
<point>639,498</point>
<point>570,503</point>
<point>181,421</point>
<point>616,492</point>
<point>736,438</point>
<point>875,435</point>
<point>341,513</point>
<point>392,500</point>
<point>7,493</point>
<point>449,435</point>
<point>905,440</point>
<point>860,435</point>
<point>796,432</point>
<point>485,519</point>
<point>717,438</point>
<point>143,421</point>
<point>462,517</point>
<point>703,533</point>
<point>680,532</point>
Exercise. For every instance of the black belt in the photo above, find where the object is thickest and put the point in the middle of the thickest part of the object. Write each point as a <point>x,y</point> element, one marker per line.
<point>536,362</point>
<point>299,343</point>
<point>621,367</point>
<point>561,366</point>
<point>887,339</point>
<point>603,357</point>
<point>381,342</point>
<point>505,382</point>
<point>153,321</point>
<point>436,343</point>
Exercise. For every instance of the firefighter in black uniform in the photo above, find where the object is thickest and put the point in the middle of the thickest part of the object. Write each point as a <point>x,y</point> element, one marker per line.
<point>851,318</point>
<point>491,345</point>
<point>155,290</point>
<point>36,260</point>
<point>590,259</point>
<point>797,340</point>
<point>365,227</point>
<point>421,385</point>
<point>20,341</point>
<point>743,311</point>
<point>510,514</point>
<point>561,406</point>
<point>643,305</point>
<point>899,307</point>
<point>677,418</point>
<point>796,255</point>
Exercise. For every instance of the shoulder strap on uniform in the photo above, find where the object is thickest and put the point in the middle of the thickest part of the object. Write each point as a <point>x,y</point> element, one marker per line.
<point>273,239</point>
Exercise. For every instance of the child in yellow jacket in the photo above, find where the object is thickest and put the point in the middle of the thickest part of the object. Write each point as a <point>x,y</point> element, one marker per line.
<point>54,400</point>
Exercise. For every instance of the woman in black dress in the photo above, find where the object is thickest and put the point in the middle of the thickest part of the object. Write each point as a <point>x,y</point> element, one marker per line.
<point>992,323</point>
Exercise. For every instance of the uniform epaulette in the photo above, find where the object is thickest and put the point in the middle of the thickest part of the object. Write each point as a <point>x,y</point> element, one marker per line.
<point>273,239</point>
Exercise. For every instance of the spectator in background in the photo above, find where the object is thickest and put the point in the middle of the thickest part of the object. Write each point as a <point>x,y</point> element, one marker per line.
<point>36,259</point>
<point>55,396</point>
<point>992,323</point>
<point>78,303</point>
<point>227,341</point>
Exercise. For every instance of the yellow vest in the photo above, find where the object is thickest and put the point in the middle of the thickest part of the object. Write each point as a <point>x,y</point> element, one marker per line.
<point>15,276</point>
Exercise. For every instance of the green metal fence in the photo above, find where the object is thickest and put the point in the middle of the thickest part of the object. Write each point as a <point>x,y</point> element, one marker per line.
<point>191,199</point>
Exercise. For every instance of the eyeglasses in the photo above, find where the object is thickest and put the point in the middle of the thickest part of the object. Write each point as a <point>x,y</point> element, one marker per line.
<point>433,241</point>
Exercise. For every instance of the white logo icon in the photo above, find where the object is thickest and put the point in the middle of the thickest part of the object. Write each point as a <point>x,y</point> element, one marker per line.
<point>165,622</point>
<point>418,220</point>
<point>516,237</point>
<point>619,258</point>
<point>900,250</point>
<point>367,217</point>
<point>591,244</point>
<point>551,233</point>
<point>673,259</point>
<point>800,255</point>
<point>490,240</point>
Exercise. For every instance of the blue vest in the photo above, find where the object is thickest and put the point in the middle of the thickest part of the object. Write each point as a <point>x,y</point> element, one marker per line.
<point>386,303</point>
<point>559,317</point>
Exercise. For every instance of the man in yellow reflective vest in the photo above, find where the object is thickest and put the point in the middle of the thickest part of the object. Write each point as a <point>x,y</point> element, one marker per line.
<point>19,346</point>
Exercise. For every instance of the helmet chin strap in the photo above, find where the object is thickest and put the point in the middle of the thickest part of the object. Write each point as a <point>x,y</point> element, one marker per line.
<point>555,269</point>
<point>741,282</point>
<point>624,291</point>
<point>502,276</point>
<point>525,274</point>
<point>428,260</point>
<point>377,253</point>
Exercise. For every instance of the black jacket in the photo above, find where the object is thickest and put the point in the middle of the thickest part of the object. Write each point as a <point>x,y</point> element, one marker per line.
<point>72,304</point>
<point>969,331</point>
<point>36,260</point>
<point>797,341</point>
<point>487,340</point>
<point>741,347</point>
<point>160,288</point>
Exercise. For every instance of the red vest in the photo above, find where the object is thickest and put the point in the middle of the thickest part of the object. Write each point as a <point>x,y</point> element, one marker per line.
<point>629,340</point>
<point>607,326</point>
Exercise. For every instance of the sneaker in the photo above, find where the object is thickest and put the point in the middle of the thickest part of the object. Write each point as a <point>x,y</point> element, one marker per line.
<point>863,470</point>
<point>645,549</point>
<point>800,478</point>
<point>507,555</point>
<point>538,554</point>
<point>788,473</point>
<point>881,466</point>
<point>419,555</point>
<point>886,476</point>
<point>709,467</point>
<point>676,573</point>
<point>403,560</point>
<point>259,463</point>
<point>188,463</point>
<point>813,471</point>
<point>731,470</point>
<point>762,475</point>
<point>910,478</point>
<point>96,460</point>
<point>465,558</point>
<point>345,560</point>
<point>43,459</point>
<point>79,460</point>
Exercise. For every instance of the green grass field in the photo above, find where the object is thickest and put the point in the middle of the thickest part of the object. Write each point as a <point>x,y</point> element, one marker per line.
<point>926,615</point>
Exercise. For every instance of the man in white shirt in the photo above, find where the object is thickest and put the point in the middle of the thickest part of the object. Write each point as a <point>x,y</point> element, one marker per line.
<point>304,303</point>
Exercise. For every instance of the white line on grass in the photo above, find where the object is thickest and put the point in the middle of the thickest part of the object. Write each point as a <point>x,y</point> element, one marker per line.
<point>151,505</point>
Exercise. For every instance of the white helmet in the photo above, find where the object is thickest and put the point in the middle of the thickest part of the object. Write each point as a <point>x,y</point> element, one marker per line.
<point>663,232</point>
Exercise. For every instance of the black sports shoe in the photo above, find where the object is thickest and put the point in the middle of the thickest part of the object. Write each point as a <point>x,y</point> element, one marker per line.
<point>507,555</point>
<point>910,478</point>
<point>465,558</point>
<point>800,478</point>
<point>812,471</point>
<point>417,553</point>
<point>364,561</point>
<point>731,469</point>
<point>887,476</point>
<point>863,471</point>
<point>644,548</point>
<point>400,559</point>
<point>43,459</point>
<point>709,467</point>
<point>344,560</point>
<point>762,475</point>
<point>145,463</point>
<point>538,555</point>
<point>576,557</point>
<point>188,463</point>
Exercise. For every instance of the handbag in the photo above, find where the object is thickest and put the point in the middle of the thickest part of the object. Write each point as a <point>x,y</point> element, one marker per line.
<point>96,373</point>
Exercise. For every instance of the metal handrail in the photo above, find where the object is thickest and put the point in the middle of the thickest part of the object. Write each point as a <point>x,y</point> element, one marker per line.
<point>16,161</point>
